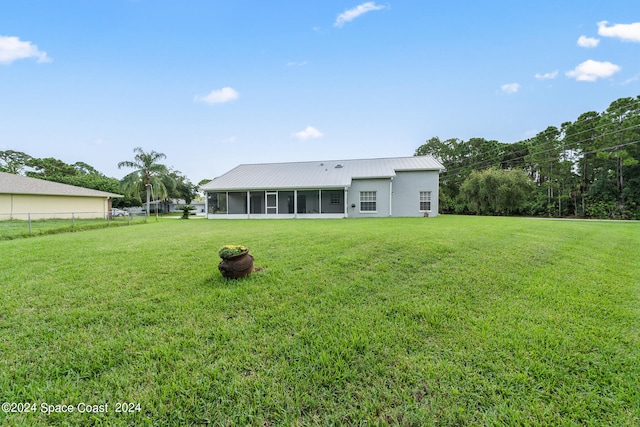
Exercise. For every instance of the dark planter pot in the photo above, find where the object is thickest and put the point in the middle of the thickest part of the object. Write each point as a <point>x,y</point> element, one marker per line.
<point>236,266</point>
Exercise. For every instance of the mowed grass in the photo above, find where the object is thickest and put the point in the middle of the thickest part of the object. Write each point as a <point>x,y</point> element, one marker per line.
<point>442,321</point>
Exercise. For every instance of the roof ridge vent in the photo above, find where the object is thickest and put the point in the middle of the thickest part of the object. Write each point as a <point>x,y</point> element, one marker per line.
<point>338,166</point>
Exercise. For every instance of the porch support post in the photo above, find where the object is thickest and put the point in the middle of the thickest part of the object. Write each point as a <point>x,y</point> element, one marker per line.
<point>295,203</point>
<point>346,205</point>
<point>320,200</point>
<point>248,204</point>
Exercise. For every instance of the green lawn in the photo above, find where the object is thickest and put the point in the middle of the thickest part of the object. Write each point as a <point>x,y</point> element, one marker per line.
<point>442,321</point>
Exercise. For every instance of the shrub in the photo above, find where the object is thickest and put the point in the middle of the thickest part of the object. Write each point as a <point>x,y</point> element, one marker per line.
<point>228,251</point>
<point>185,211</point>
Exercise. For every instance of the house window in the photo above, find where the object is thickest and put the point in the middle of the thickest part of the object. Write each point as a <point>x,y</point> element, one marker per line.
<point>425,201</point>
<point>335,198</point>
<point>368,201</point>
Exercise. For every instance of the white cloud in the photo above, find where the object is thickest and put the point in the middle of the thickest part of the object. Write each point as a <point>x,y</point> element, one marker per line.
<point>631,80</point>
<point>309,133</point>
<point>12,49</point>
<point>584,41</point>
<point>229,140</point>
<point>296,64</point>
<point>351,14</point>
<point>547,76</point>
<point>510,87</point>
<point>626,32</point>
<point>590,71</point>
<point>221,96</point>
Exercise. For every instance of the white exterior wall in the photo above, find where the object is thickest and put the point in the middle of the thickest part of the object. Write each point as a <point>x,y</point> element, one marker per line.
<point>380,186</point>
<point>406,192</point>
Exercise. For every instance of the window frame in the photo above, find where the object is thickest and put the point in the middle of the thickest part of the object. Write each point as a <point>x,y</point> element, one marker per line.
<point>335,199</point>
<point>369,197</point>
<point>426,199</point>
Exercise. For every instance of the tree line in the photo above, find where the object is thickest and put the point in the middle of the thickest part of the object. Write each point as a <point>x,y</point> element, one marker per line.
<point>148,176</point>
<point>588,168</point>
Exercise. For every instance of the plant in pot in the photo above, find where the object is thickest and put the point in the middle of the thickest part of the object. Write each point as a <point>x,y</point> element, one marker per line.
<point>236,261</point>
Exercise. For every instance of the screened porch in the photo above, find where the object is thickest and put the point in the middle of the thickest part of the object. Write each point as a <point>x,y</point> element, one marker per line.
<point>277,203</point>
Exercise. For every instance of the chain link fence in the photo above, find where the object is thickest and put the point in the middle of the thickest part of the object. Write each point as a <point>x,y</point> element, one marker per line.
<point>16,225</point>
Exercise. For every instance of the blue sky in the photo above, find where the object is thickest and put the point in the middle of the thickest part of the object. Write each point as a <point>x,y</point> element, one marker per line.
<point>213,84</point>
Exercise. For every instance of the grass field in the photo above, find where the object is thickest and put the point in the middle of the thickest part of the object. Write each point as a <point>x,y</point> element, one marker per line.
<point>444,321</point>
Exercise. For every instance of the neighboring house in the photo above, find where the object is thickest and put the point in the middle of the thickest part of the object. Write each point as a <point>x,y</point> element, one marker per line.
<point>402,186</point>
<point>173,206</point>
<point>176,204</point>
<point>22,197</point>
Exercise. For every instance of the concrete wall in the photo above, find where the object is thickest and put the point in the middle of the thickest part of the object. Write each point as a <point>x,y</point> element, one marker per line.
<point>17,206</point>
<point>406,192</point>
<point>6,205</point>
<point>380,186</point>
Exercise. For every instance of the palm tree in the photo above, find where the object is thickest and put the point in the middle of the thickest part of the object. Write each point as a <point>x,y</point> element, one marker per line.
<point>149,175</point>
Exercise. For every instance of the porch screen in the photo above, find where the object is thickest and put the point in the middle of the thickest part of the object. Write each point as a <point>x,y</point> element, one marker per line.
<point>217,203</point>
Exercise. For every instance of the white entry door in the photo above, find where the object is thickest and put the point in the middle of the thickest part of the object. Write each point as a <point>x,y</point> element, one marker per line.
<point>272,203</point>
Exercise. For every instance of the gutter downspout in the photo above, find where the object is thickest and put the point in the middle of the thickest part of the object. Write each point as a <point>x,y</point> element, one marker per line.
<point>346,202</point>
<point>391,197</point>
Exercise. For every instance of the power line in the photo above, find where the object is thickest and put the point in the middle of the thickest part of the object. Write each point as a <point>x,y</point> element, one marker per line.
<point>615,146</point>
<point>495,155</point>
<point>497,158</point>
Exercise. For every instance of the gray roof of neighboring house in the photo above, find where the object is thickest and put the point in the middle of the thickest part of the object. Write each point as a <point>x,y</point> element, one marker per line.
<point>18,184</point>
<point>317,174</point>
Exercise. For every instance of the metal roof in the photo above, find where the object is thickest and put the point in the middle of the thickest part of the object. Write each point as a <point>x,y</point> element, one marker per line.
<point>18,184</point>
<point>317,174</point>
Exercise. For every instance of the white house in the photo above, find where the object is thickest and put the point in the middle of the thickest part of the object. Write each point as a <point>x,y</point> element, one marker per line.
<point>401,186</point>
